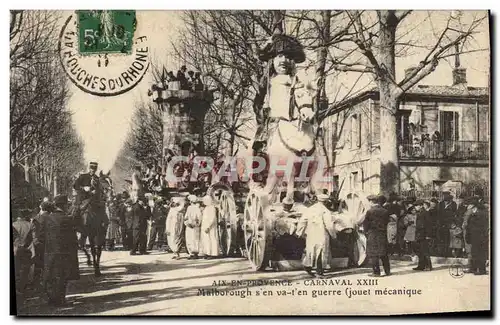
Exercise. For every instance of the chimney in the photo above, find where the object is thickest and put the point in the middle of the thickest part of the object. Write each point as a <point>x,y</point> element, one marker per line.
<point>458,73</point>
<point>459,76</point>
<point>409,71</point>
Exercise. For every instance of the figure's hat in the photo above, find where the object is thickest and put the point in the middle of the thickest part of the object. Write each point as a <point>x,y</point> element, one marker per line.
<point>282,44</point>
<point>93,165</point>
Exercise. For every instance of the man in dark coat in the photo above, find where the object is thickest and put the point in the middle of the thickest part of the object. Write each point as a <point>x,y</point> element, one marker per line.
<point>23,236</point>
<point>61,255</point>
<point>139,226</point>
<point>39,246</point>
<point>375,228</point>
<point>446,211</point>
<point>477,235</point>
<point>181,77</point>
<point>85,184</point>
<point>159,217</point>
<point>128,215</point>
<point>423,235</point>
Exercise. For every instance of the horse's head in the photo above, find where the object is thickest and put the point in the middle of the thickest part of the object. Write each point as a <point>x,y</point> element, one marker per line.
<point>305,96</point>
<point>106,182</point>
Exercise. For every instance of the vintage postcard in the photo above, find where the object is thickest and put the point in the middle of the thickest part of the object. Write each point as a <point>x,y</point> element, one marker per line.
<point>250,162</point>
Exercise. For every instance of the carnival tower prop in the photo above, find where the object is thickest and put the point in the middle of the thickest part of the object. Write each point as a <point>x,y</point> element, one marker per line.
<point>184,108</point>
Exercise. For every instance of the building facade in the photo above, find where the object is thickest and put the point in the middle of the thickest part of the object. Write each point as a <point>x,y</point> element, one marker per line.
<point>443,140</point>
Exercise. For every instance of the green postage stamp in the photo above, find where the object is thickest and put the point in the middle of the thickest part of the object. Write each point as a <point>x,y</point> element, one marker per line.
<point>106,31</point>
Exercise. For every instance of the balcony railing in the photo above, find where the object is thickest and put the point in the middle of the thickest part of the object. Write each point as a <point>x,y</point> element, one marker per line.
<point>448,150</point>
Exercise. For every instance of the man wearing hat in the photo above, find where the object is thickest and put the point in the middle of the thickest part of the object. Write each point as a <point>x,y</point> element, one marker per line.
<point>175,225</point>
<point>282,53</point>
<point>23,236</point>
<point>477,235</point>
<point>445,213</point>
<point>423,235</point>
<point>61,256</point>
<point>192,220</point>
<point>375,227</point>
<point>209,234</point>
<point>159,217</point>
<point>38,235</point>
<point>128,221</point>
<point>319,230</point>
<point>140,214</point>
<point>85,183</point>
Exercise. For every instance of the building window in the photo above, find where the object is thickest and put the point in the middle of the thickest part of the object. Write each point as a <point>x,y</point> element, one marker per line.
<point>449,125</point>
<point>405,128</point>
<point>355,131</point>
<point>354,180</point>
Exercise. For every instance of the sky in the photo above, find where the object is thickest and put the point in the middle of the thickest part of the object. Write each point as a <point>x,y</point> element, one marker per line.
<point>103,122</point>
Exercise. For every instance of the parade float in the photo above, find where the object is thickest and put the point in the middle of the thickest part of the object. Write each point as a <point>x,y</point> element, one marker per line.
<point>264,219</point>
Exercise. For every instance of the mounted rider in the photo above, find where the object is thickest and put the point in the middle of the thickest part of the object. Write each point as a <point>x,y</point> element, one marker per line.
<point>89,195</point>
<point>86,186</point>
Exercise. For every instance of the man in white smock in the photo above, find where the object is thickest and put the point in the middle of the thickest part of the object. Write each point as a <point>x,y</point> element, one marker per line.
<point>209,234</point>
<point>192,220</point>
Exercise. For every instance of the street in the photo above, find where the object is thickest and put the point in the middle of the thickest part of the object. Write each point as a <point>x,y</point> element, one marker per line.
<point>156,284</point>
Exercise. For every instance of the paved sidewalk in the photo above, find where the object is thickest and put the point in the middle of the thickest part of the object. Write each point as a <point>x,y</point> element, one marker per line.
<point>156,284</point>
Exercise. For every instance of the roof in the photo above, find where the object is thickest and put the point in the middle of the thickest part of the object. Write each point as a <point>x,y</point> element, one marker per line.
<point>458,90</point>
<point>457,94</point>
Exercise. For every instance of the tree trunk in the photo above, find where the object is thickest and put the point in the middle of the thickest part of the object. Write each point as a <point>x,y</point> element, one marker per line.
<point>321,55</point>
<point>55,186</point>
<point>389,103</point>
<point>26,169</point>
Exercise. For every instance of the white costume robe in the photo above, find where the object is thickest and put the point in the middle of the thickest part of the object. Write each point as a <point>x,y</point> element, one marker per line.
<point>192,220</point>
<point>209,234</point>
<point>173,227</point>
<point>319,228</point>
<point>136,189</point>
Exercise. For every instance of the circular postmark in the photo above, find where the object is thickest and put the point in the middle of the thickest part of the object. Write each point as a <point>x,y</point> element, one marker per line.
<point>100,52</point>
<point>456,270</point>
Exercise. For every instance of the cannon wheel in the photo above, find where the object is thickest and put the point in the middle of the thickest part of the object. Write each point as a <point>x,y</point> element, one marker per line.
<point>256,230</point>
<point>227,218</point>
<point>357,205</point>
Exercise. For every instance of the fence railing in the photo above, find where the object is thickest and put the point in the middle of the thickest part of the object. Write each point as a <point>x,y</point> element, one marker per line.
<point>428,193</point>
<point>449,150</point>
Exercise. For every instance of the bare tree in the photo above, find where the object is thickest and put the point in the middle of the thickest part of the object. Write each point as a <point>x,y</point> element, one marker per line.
<point>380,37</point>
<point>146,133</point>
<point>42,137</point>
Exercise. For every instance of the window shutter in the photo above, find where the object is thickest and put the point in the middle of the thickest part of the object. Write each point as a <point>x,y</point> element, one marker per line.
<point>376,124</point>
<point>456,126</point>
<point>352,133</point>
<point>441,123</point>
<point>358,134</point>
<point>362,180</point>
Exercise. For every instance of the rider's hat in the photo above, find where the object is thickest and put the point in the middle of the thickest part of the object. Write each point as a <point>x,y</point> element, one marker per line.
<point>93,165</point>
<point>284,44</point>
<point>373,198</point>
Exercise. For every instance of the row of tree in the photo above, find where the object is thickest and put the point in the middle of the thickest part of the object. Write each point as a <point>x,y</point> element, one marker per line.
<point>363,44</point>
<point>45,149</point>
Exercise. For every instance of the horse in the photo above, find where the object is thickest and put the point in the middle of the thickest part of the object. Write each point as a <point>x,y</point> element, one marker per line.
<point>294,140</point>
<point>94,220</point>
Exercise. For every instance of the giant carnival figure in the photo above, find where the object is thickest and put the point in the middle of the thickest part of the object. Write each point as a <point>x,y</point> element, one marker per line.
<point>287,126</point>
<point>275,231</point>
<point>90,211</point>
